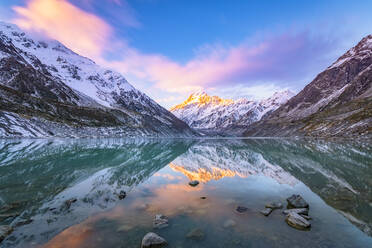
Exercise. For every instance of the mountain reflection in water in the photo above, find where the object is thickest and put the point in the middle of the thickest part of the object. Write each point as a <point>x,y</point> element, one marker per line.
<point>38,176</point>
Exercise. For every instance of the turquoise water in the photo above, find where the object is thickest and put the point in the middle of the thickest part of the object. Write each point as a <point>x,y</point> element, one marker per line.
<point>37,177</point>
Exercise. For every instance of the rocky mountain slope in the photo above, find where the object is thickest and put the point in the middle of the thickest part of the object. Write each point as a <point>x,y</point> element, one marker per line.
<point>202,111</point>
<point>338,102</point>
<point>48,90</point>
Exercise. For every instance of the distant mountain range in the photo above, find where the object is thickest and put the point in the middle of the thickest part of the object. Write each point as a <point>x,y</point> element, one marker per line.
<point>204,112</point>
<point>338,102</point>
<point>48,90</point>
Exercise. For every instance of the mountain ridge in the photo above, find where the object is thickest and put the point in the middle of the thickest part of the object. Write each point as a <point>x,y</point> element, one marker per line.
<point>48,90</point>
<point>201,111</point>
<point>337,103</point>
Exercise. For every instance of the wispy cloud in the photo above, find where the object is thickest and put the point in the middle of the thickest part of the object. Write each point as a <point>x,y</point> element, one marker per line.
<point>279,57</point>
<point>83,32</point>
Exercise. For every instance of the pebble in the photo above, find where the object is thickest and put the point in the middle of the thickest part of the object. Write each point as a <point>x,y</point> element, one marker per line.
<point>267,211</point>
<point>297,221</point>
<point>241,209</point>
<point>194,183</point>
<point>152,240</point>
<point>296,201</point>
<point>160,221</point>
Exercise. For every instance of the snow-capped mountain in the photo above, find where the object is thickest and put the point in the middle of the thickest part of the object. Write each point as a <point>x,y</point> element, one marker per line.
<point>211,160</point>
<point>338,102</point>
<point>48,90</point>
<point>202,111</point>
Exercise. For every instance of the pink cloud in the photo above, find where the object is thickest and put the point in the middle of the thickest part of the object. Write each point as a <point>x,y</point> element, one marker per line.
<point>83,32</point>
<point>277,58</point>
<point>280,58</point>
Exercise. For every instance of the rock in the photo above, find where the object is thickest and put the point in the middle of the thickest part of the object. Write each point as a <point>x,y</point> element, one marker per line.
<point>194,183</point>
<point>152,240</point>
<point>196,234</point>
<point>5,231</point>
<point>296,201</point>
<point>267,211</point>
<point>122,194</point>
<point>304,211</point>
<point>203,197</point>
<point>305,217</point>
<point>229,223</point>
<point>274,205</point>
<point>241,209</point>
<point>160,221</point>
<point>69,202</point>
<point>297,221</point>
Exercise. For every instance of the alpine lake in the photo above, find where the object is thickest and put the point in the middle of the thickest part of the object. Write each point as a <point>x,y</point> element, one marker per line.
<point>103,193</point>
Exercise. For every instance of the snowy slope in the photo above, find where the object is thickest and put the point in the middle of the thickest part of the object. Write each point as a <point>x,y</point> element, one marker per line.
<point>202,111</point>
<point>46,69</point>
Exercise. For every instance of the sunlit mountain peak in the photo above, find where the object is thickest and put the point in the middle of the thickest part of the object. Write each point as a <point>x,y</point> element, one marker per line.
<point>201,111</point>
<point>203,175</point>
<point>201,98</point>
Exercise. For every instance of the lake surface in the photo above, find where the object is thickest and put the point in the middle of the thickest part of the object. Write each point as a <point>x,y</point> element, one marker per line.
<point>37,177</point>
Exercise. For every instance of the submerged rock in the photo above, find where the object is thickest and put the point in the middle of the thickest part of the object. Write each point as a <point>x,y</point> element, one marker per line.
<point>122,194</point>
<point>152,240</point>
<point>304,211</point>
<point>241,209</point>
<point>194,183</point>
<point>196,234</point>
<point>267,211</point>
<point>274,205</point>
<point>297,221</point>
<point>296,201</point>
<point>69,202</point>
<point>160,221</point>
<point>305,217</point>
<point>229,223</point>
<point>5,231</point>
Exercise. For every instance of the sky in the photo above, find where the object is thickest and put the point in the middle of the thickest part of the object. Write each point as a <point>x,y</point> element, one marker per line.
<point>171,48</point>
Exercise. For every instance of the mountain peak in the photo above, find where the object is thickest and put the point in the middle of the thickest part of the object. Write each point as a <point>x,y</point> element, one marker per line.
<point>199,92</point>
<point>280,96</point>
<point>206,112</point>
<point>201,98</point>
<point>43,81</point>
<point>335,103</point>
<point>362,50</point>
